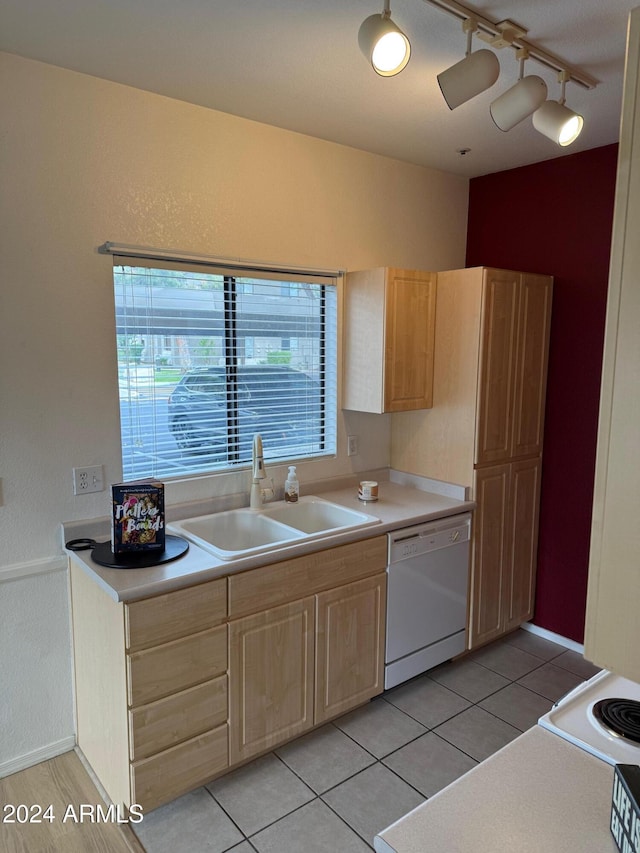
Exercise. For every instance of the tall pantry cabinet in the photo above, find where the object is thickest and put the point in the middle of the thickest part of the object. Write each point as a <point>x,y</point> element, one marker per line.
<point>485,429</point>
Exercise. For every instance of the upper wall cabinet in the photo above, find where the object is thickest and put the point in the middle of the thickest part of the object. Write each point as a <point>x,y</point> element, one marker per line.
<point>513,365</point>
<point>389,339</point>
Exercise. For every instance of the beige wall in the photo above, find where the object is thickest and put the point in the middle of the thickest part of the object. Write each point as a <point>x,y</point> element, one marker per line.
<point>84,161</point>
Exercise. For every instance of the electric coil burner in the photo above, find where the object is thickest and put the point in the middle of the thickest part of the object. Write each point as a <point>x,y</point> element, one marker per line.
<point>620,717</point>
<point>601,716</point>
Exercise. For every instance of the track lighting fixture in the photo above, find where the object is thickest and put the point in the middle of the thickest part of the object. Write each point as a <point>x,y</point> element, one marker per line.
<point>520,100</point>
<point>472,75</point>
<point>384,44</point>
<point>557,121</point>
<point>388,50</point>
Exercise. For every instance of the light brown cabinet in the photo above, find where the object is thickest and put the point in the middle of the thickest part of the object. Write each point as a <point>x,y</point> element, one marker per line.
<point>486,428</point>
<point>271,666</point>
<point>516,310</point>
<point>151,688</point>
<point>388,341</point>
<point>304,661</point>
<point>489,554</point>
<point>612,630</point>
<point>295,666</point>
<point>173,690</point>
<point>350,636</point>
<point>504,548</point>
<point>189,741</point>
<point>526,476</point>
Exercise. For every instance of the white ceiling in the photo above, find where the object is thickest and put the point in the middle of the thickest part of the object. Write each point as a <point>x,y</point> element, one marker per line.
<point>296,64</point>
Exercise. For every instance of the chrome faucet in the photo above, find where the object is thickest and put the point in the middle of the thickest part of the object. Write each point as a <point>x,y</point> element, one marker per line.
<point>258,494</point>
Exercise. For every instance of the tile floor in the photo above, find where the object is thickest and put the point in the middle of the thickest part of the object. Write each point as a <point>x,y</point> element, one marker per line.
<point>337,787</point>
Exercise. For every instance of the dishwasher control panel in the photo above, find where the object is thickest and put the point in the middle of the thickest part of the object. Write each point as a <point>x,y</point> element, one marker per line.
<point>431,536</point>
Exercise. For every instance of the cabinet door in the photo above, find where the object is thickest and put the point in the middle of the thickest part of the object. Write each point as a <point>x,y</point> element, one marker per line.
<point>490,550</point>
<point>169,774</point>
<point>409,345</point>
<point>530,380</point>
<point>271,657</point>
<point>349,646</point>
<point>500,299</point>
<point>521,574</point>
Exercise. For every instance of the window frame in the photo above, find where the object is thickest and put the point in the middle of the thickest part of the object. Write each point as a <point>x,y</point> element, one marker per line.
<point>234,274</point>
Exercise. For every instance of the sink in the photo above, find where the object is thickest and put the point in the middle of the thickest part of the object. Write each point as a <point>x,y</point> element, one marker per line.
<point>313,515</point>
<point>236,533</point>
<point>241,533</point>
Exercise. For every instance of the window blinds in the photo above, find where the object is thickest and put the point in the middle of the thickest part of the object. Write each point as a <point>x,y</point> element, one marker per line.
<point>209,354</point>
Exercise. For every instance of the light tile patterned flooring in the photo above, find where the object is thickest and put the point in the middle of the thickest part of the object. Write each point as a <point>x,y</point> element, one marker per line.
<point>337,787</point>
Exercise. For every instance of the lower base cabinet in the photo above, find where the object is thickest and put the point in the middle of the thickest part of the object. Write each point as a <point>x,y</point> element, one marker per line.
<point>504,550</point>
<point>296,666</point>
<point>176,689</point>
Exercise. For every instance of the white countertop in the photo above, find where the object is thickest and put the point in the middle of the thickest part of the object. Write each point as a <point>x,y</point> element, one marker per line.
<point>539,794</point>
<point>400,504</point>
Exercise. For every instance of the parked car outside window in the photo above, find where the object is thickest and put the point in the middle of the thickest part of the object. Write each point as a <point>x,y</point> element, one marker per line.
<point>282,404</point>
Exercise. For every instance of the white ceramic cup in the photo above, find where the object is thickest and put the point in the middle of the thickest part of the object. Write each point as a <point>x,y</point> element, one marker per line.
<point>368,490</point>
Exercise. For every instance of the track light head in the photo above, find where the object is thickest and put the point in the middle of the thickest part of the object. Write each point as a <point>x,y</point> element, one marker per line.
<point>518,102</point>
<point>472,75</point>
<point>469,77</point>
<point>556,121</point>
<point>384,44</point>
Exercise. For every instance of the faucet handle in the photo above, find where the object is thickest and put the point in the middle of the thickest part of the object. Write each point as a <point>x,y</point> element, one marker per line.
<point>257,457</point>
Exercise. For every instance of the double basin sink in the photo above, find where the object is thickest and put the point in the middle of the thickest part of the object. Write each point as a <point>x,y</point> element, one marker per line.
<point>240,533</point>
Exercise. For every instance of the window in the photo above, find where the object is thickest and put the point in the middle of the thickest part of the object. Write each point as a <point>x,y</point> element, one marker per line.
<point>209,356</point>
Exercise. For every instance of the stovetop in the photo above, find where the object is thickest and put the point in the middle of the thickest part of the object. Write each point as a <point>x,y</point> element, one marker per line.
<point>573,718</point>
<point>620,716</point>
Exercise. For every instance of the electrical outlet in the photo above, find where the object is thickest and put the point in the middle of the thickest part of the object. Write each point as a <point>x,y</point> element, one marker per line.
<point>352,445</point>
<point>86,480</point>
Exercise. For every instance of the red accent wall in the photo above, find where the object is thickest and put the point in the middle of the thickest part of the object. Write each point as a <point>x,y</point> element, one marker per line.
<point>555,217</point>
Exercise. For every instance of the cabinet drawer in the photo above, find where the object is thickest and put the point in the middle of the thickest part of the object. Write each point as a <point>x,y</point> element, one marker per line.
<point>177,718</point>
<point>175,771</point>
<point>172,667</point>
<point>175,614</point>
<point>290,580</point>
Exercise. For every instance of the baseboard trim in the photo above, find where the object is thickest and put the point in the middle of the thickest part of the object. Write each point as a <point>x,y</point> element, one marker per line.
<point>16,571</point>
<point>51,750</point>
<point>554,638</point>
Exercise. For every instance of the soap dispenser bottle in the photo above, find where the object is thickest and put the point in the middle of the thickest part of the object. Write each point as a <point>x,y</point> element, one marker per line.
<point>291,486</point>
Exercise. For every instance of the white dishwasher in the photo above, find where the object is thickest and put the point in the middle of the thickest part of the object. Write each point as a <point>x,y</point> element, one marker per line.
<point>427,580</point>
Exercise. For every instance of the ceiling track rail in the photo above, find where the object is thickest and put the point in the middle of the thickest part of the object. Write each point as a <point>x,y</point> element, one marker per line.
<point>495,29</point>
